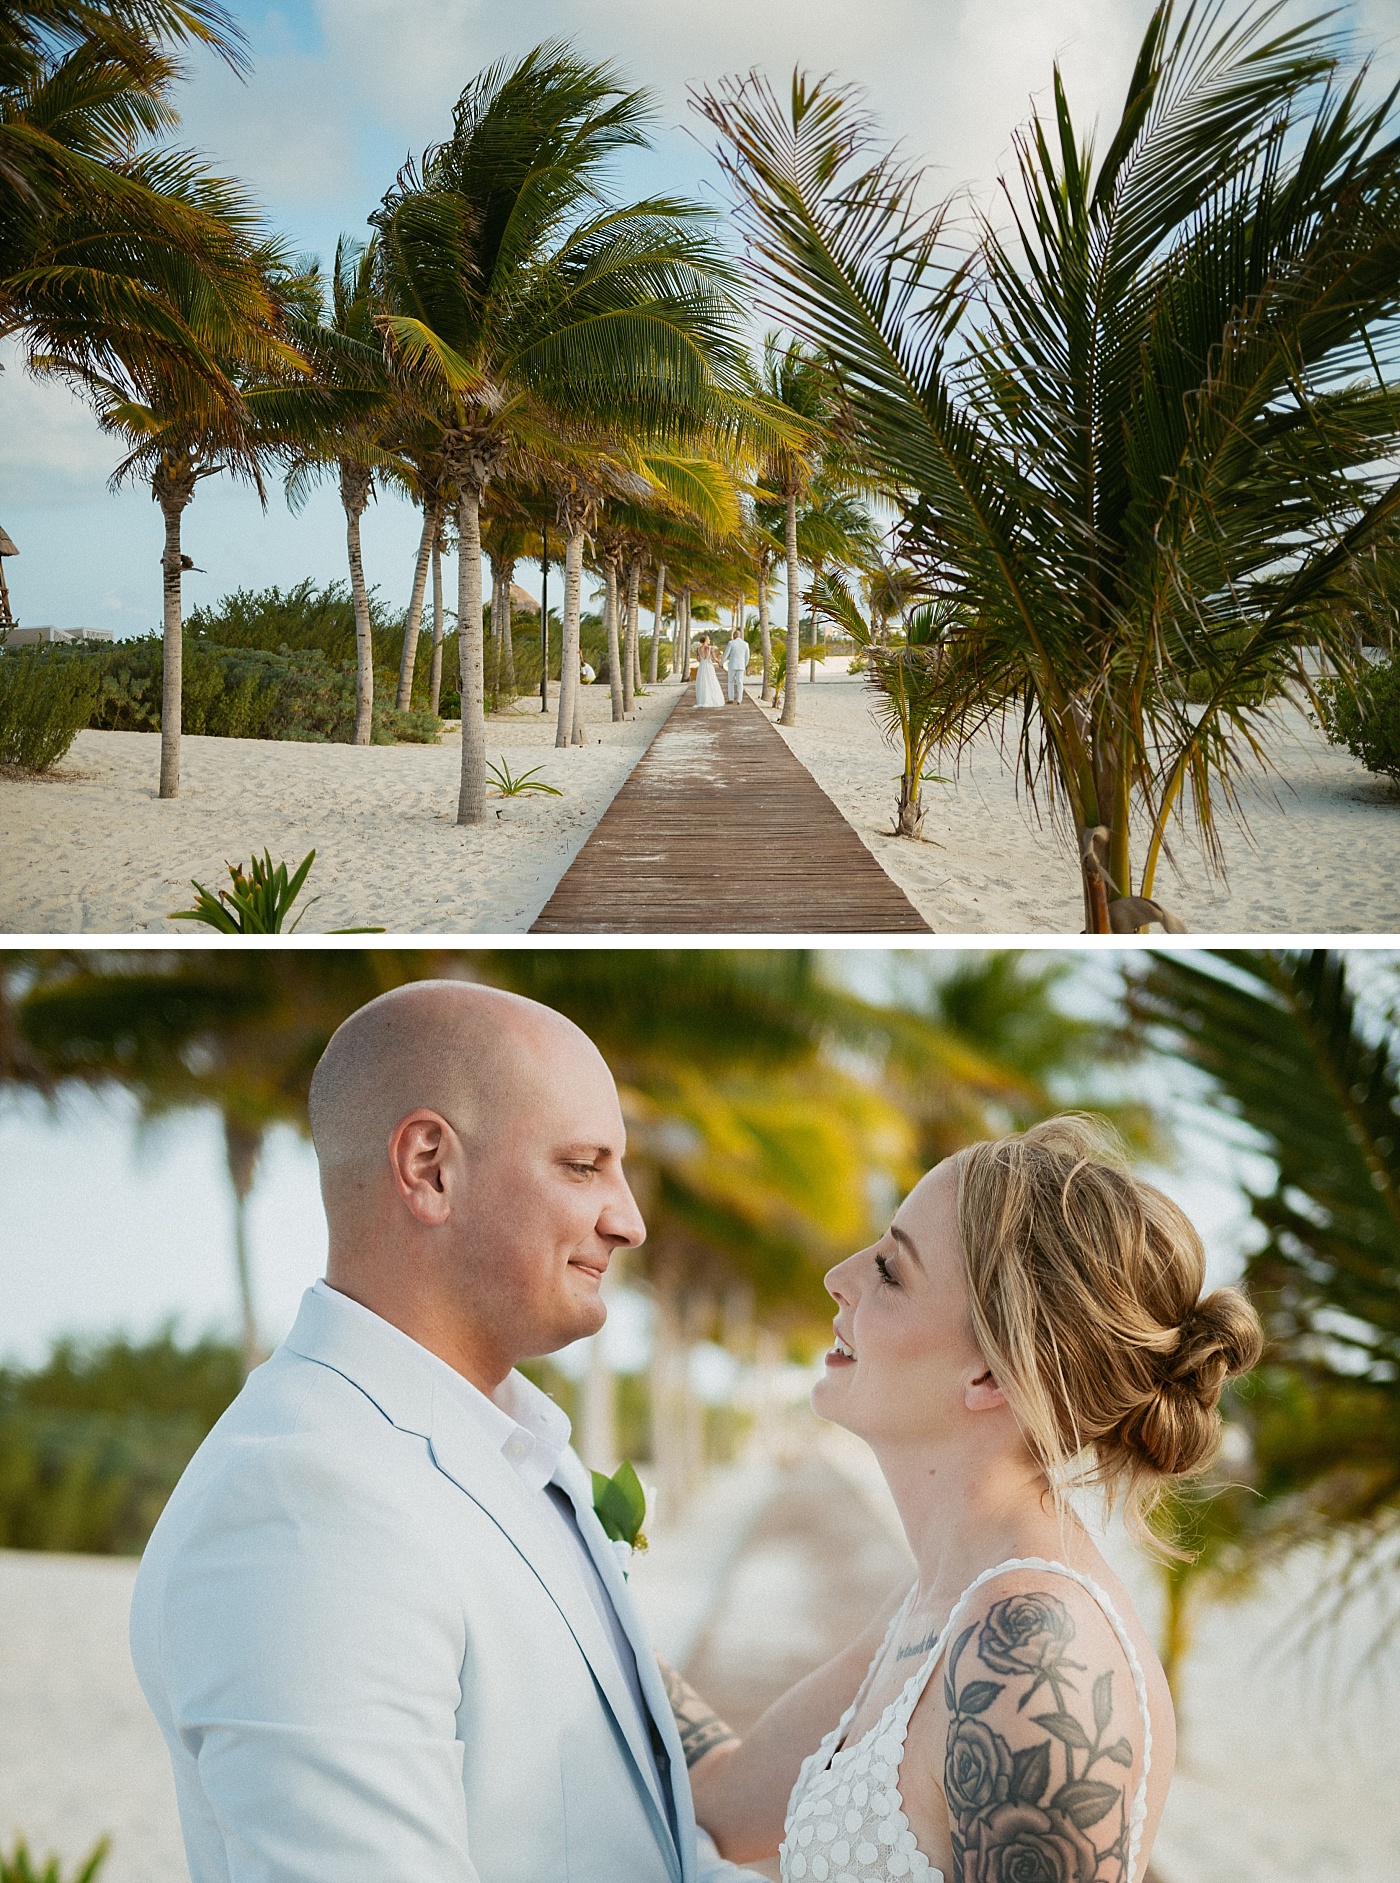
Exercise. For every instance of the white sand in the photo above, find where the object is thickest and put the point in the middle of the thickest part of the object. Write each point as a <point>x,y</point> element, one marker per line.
<point>1321,853</point>
<point>93,848</point>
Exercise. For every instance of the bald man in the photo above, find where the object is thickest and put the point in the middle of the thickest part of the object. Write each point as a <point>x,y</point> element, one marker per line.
<point>380,1626</point>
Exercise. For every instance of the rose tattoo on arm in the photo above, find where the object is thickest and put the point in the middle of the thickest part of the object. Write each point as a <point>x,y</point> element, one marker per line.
<point>1032,1797</point>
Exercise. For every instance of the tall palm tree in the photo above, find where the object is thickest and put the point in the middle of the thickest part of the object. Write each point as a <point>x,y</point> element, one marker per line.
<point>192,414</point>
<point>798,381</point>
<point>528,305</point>
<point>1144,425</point>
<point>89,216</point>
<point>350,414</point>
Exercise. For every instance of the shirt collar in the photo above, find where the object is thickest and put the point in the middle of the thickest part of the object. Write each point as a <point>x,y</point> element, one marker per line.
<point>530,1430</point>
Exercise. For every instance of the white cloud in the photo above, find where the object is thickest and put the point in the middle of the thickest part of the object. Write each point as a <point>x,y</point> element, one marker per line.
<point>51,448</point>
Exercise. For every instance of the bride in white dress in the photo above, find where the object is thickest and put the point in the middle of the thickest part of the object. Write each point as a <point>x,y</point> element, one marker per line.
<point>1034,1312</point>
<point>708,691</point>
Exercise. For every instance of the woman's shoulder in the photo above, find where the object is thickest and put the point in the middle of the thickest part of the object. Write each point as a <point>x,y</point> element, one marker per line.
<point>1046,1734</point>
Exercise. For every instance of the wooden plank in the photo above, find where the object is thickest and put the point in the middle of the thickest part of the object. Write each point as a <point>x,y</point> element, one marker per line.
<point>720,830</point>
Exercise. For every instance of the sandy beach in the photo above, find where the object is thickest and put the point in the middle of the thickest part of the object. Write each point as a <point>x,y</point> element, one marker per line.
<point>1320,854</point>
<point>91,847</point>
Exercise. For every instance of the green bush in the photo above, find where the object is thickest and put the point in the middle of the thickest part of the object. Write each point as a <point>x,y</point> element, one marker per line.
<point>45,701</point>
<point>244,693</point>
<point>91,1445</point>
<point>1364,716</point>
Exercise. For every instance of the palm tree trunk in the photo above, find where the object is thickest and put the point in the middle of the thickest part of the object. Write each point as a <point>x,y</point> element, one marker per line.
<point>173,489</point>
<point>614,651</point>
<point>794,616</point>
<point>569,653</point>
<point>507,644</point>
<point>765,638</point>
<point>495,627</point>
<point>435,671</point>
<point>629,649</point>
<point>355,482</point>
<point>471,798</point>
<point>636,611</point>
<point>654,663</point>
<point>242,1143</point>
<point>431,516</point>
<point>685,664</point>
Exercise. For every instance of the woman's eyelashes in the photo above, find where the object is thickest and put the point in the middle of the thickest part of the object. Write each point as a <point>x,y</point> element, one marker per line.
<point>882,1263</point>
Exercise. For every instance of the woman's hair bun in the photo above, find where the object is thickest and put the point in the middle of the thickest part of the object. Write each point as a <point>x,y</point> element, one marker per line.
<point>1177,1429</point>
<point>1219,1338</point>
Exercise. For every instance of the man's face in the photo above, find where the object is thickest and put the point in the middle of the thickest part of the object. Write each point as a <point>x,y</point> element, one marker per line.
<point>545,1206</point>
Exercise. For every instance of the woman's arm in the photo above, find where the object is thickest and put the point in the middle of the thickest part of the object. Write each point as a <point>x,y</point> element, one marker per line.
<point>741,1787</point>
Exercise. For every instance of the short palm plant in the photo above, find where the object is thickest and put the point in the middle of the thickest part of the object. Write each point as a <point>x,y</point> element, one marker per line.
<point>1144,423</point>
<point>908,681</point>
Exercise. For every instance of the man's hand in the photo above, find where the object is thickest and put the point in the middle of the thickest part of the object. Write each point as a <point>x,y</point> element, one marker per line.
<point>701,1728</point>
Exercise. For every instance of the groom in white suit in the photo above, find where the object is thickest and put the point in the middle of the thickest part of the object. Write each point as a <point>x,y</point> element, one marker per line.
<point>381,1628</point>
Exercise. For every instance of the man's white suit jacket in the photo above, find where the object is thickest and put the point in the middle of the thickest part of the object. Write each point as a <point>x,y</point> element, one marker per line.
<point>371,1655</point>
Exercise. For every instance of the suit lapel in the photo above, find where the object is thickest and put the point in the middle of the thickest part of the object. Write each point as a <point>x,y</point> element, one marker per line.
<point>491,1484</point>
<point>573,1477</point>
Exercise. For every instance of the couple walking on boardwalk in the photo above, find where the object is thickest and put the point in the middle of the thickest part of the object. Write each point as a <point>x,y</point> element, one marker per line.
<point>389,1637</point>
<point>736,662</point>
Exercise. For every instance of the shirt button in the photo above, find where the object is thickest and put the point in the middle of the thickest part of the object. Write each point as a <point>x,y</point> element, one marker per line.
<point>517,1447</point>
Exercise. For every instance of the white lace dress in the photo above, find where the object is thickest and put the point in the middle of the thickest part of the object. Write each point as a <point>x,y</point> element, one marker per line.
<point>846,1822</point>
<point>708,691</point>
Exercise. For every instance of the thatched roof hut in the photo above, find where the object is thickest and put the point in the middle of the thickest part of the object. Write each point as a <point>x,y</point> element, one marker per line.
<point>7,547</point>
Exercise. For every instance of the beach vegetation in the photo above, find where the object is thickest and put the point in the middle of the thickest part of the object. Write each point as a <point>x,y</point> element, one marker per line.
<point>93,1441</point>
<point>19,1867</point>
<point>1302,1053</point>
<point>259,901</point>
<point>1140,424</point>
<point>508,784</point>
<point>1363,714</point>
<point>45,701</point>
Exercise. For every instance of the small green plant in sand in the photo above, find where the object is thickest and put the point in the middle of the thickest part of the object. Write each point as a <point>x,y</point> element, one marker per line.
<point>514,785</point>
<point>19,1866</point>
<point>45,701</point>
<point>258,903</point>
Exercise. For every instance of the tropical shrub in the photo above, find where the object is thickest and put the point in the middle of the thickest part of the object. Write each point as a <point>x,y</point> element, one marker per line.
<point>242,693</point>
<point>45,701</point>
<point>92,1443</point>
<point>1364,716</point>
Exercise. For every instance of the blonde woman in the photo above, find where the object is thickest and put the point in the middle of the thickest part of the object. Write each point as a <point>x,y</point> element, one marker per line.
<point>1033,1314</point>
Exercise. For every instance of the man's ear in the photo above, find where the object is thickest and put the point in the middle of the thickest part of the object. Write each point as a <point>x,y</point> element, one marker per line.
<point>981,1393</point>
<point>420,1146</point>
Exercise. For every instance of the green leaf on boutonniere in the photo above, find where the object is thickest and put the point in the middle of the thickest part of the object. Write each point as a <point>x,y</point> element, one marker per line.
<point>620,1504</point>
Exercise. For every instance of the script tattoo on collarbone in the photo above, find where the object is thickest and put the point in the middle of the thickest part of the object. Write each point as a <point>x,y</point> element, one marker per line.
<point>700,1727</point>
<point>1055,1808</point>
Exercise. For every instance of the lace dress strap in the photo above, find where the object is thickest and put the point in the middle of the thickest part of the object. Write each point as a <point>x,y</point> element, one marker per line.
<point>1137,1816</point>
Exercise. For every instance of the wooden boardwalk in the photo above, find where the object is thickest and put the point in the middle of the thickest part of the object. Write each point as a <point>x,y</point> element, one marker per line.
<point>721,831</point>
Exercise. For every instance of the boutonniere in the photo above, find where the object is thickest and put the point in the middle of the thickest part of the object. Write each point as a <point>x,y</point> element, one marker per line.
<point>620,1505</point>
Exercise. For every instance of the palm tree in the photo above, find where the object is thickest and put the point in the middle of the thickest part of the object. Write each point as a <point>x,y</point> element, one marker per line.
<point>193,414</point>
<point>338,335</point>
<point>798,382</point>
<point>1311,1074</point>
<point>1142,427</point>
<point>527,307</point>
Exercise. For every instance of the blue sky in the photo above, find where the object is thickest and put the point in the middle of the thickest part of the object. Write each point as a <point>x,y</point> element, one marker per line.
<point>343,90</point>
